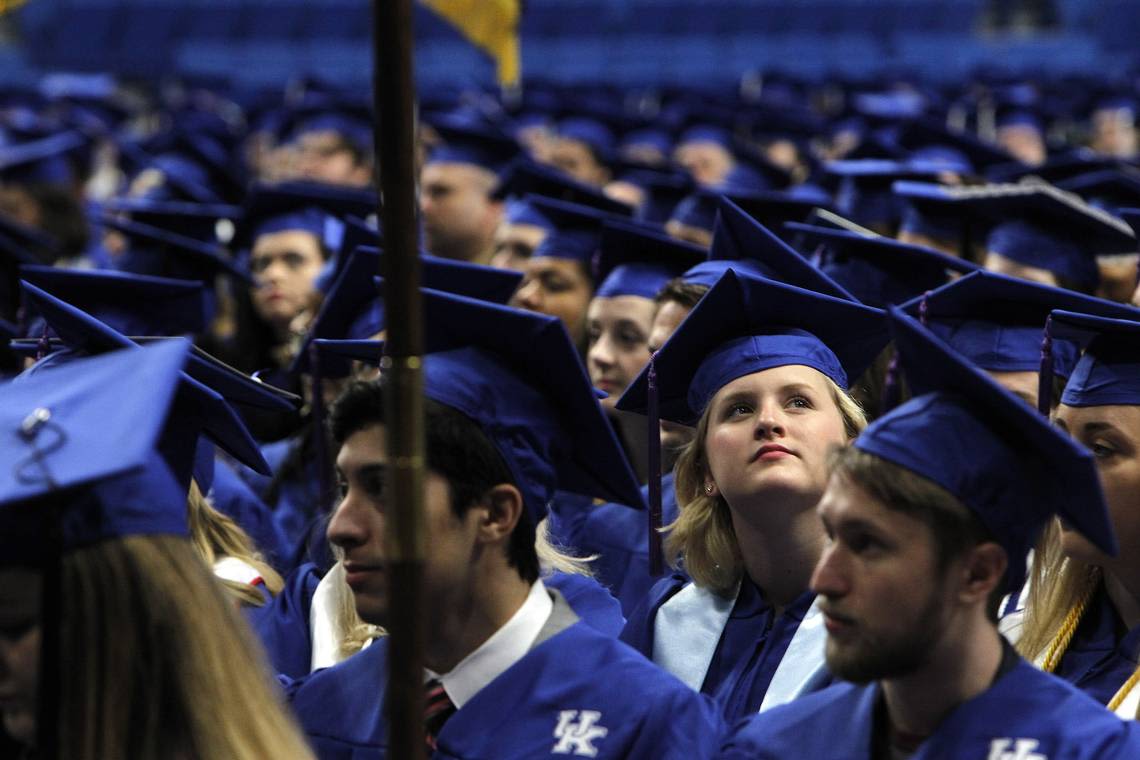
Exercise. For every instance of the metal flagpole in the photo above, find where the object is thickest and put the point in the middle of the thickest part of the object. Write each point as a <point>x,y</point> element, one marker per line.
<point>393,95</point>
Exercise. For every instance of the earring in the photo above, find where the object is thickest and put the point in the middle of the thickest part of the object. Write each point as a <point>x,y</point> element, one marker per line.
<point>708,488</point>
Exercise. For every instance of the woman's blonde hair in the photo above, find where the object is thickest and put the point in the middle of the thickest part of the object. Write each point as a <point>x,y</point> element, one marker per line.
<point>702,538</point>
<point>357,633</point>
<point>156,662</point>
<point>216,536</point>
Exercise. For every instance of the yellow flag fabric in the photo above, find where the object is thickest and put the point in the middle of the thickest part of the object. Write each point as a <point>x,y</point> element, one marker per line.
<point>10,5</point>
<point>492,25</point>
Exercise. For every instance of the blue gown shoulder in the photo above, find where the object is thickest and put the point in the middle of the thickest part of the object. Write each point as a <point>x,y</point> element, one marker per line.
<point>282,624</point>
<point>589,600</point>
<point>638,631</point>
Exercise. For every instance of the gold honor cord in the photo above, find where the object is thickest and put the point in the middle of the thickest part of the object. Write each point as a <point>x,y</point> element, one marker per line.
<point>1064,637</point>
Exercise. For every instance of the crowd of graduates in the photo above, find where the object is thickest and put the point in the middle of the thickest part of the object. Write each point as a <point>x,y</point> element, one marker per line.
<point>789,419</point>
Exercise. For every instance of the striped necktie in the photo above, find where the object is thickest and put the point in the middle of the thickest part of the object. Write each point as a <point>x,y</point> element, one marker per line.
<point>438,707</point>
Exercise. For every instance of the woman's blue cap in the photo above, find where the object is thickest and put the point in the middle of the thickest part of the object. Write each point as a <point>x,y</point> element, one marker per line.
<point>312,207</point>
<point>743,244</point>
<point>1036,224</point>
<point>987,448</point>
<point>1108,372</point>
<point>996,321</point>
<point>747,324</point>
<point>880,270</point>
<point>55,428</point>
<point>636,261</point>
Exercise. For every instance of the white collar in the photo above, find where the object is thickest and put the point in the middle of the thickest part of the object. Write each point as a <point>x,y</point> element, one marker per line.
<point>506,646</point>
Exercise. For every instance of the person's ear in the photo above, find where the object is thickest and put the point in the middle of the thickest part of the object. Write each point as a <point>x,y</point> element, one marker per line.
<point>503,506</point>
<point>982,572</point>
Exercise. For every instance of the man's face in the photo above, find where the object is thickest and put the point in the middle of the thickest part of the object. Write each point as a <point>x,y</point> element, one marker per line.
<point>324,156</point>
<point>514,244</point>
<point>884,597</point>
<point>285,266</point>
<point>575,158</point>
<point>707,162</point>
<point>458,214</point>
<point>359,527</point>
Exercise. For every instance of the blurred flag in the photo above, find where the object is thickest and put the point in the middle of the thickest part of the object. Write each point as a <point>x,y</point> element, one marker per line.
<point>10,5</point>
<point>491,25</point>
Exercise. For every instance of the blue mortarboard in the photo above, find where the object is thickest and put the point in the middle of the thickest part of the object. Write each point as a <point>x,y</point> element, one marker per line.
<point>925,133</point>
<point>596,135</point>
<point>314,207</point>
<point>522,211</point>
<point>577,230</point>
<point>518,376</point>
<point>743,244</point>
<point>973,438</point>
<point>648,138</point>
<point>697,209</point>
<point>747,324</point>
<point>357,233</point>
<point>880,270</point>
<point>523,177</point>
<point>201,221</point>
<point>864,193</point>
<point>996,321</point>
<point>350,120</point>
<point>56,426</point>
<point>482,146</point>
<point>157,252</point>
<point>774,208</point>
<point>1110,189</point>
<point>132,304</point>
<point>1108,372</point>
<point>636,261</point>
<point>706,133</point>
<point>196,166</point>
<point>201,409</point>
<point>49,160</point>
<point>1057,168</point>
<point>663,191</point>
<point>353,309</point>
<point>1036,224</point>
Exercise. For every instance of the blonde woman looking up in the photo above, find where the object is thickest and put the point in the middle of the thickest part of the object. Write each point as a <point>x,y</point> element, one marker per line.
<point>761,368</point>
<point>1082,615</point>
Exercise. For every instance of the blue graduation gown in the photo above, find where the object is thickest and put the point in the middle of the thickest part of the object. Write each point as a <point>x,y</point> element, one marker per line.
<point>751,646</point>
<point>545,701</point>
<point>1025,715</point>
<point>596,606</point>
<point>1102,654</point>
<point>283,623</point>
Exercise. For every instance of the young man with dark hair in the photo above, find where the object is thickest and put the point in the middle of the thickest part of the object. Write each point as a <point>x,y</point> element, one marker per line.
<point>510,667</point>
<point>929,517</point>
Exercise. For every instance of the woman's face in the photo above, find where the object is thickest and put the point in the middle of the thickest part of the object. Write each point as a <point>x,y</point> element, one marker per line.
<point>1112,434</point>
<point>285,266</point>
<point>558,287</point>
<point>769,433</point>
<point>19,651</point>
<point>618,333</point>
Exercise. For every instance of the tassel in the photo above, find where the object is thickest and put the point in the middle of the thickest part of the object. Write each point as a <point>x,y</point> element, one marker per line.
<point>1045,372</point>
<point>656,558</point>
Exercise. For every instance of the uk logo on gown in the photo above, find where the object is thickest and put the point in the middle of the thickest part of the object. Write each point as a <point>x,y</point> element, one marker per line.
<point>1015,749</point>
<point>578,739</point>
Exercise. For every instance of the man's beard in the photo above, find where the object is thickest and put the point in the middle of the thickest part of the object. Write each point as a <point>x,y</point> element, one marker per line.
<point>878,658</point>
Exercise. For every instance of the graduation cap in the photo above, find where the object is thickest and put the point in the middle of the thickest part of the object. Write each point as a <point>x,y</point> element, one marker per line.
<point>130,303</point>
<point>523,177</point>
<point>1057,168</point>
<point>979,442</point>
<point>49,160</point>
<point>1108,372</point>
<point>773,208</point>
<point>743,244</point>
<point>157,252</point>
<point>865,194</point>
<point>55,425</point>
<point>523,212</point>
<point>747,324</point>
<point>357,233</point>
<point>927,133</point>
<point>636,261</point>
<point>577,230</point>
<point>350,119</point>
<point>201,221</point>
<point>481,146</point>
<point>880,270</point>
<point>195,167</point>
<point>314,207</point>
<point>518,376</point>
<point>663,192</point>
<point>996,322</point>
<point>697,210</point>
<point>1036,224</point>
<point>1110,189</point>
<point>200,408</point>
<point>593,133</point>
